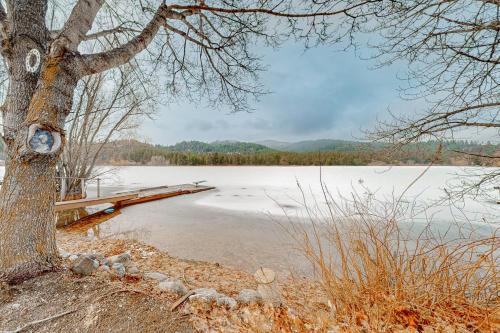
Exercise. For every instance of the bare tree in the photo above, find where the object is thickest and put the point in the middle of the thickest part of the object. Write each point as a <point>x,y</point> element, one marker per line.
<point>205,49</point>
<point>453,51</point>
<point>106,105</point>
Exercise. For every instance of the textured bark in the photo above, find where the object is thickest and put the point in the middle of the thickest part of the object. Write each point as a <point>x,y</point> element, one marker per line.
<point>27,219</point>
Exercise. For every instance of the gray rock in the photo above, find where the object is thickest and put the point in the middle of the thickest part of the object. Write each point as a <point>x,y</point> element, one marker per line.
<point>96,256</point>
<point>249,296</point>
<point>228,302</point>
<point>209,294</point>
<point>124,258</point>
<point>84,265</point>
<point>73,257</point>
<point>204,294</point>
<point>132,270</point>
<point>174,286</point>
<point>104,268</point>
<point>118,269</point>
<point>155,276</point>
<point>106,262</point>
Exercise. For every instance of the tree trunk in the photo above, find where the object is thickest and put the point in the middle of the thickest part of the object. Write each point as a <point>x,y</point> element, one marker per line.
<point>27,222</point>
<point>39,98</point>
<point>27,219</point>
<point>43,69</point>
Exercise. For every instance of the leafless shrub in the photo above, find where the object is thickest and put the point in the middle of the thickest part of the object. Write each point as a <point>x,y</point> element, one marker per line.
<point>384,271</point>
<point>107,106</point>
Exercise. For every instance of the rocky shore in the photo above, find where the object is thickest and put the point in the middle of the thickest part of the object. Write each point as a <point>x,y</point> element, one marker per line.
<point>112,285</point>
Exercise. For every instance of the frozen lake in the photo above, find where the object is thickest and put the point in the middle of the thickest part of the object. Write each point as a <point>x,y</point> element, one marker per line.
<point>241,222</point>
<point>275,190</point>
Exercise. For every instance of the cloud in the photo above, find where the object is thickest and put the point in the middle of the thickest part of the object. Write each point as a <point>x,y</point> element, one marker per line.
<point>199,125</point>
<point>315,94</point>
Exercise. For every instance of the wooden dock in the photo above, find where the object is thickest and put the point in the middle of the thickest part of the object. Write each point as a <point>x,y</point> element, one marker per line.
<point>160,192</point>
<point>82,203</point>
<point>133,197</point>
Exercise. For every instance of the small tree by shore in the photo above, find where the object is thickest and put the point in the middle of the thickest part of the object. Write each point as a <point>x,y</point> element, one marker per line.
<point>106,106</point>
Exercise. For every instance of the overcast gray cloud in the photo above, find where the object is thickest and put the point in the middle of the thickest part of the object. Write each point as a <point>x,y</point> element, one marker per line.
<point>317,94</point>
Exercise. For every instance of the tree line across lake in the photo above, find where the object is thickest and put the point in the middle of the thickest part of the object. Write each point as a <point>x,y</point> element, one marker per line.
<point>131,152</point>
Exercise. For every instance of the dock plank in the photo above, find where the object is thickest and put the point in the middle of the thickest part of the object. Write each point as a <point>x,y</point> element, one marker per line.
<point>132,197</point>
<point>157,194</point>
<point>81,203</point>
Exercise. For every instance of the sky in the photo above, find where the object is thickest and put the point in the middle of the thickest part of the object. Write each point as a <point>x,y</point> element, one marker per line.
<point>319,94</point>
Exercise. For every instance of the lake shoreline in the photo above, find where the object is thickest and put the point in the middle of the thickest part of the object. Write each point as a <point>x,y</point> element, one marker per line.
<point>240,223</point>
<point>242,240</point>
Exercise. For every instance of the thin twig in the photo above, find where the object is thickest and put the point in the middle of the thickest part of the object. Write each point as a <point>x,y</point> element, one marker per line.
<point>20,329</point>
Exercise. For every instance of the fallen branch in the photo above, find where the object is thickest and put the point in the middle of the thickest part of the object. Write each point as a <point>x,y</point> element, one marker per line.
<point>22,328</point>
<point>181,300</point>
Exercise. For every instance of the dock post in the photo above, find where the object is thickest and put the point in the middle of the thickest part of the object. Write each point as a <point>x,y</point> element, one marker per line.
<point>98,187</point>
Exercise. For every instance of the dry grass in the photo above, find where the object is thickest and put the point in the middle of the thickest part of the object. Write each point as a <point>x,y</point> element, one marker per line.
<point>383,274</point>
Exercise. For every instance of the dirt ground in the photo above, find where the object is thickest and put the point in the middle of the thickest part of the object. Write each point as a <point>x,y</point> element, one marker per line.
<point>95,305</point>
<point>63,302</point>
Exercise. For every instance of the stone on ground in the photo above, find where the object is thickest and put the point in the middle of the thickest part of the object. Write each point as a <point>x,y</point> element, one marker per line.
<point>118,269</point>
<point>228,302</point>
<point>173,286</point>
<point>204,294</point>
<point>84,265</point>
<point>132,270</point>
<point>63,253</point>
<point>207,295</point>
<point>124,258</point>
<point>104,268</point>
<point>97,256</point>
<point>155,276</point>
<point>249,296</point>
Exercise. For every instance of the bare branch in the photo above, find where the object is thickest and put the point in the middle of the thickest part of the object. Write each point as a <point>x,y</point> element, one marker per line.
<point>80,22</point>
<point>103,33</point>
<point>99,62</point>
<point>271,12</point>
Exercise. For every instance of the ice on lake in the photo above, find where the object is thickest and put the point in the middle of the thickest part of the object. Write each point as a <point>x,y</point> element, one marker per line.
<point>241,222</point>
<point>275,190</point>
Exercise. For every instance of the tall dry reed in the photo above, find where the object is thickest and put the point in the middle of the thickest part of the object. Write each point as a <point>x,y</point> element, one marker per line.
<point>383,270</point>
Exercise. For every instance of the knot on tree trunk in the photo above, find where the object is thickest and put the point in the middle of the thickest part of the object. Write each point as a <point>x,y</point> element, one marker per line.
<point>39,140</point>
<point>43,139</point>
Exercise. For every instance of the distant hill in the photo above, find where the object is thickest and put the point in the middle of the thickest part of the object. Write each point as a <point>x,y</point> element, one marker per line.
<point>273,144</point>
<point>319,145</point>
<point>218,147</point>
<point>333,152</point>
